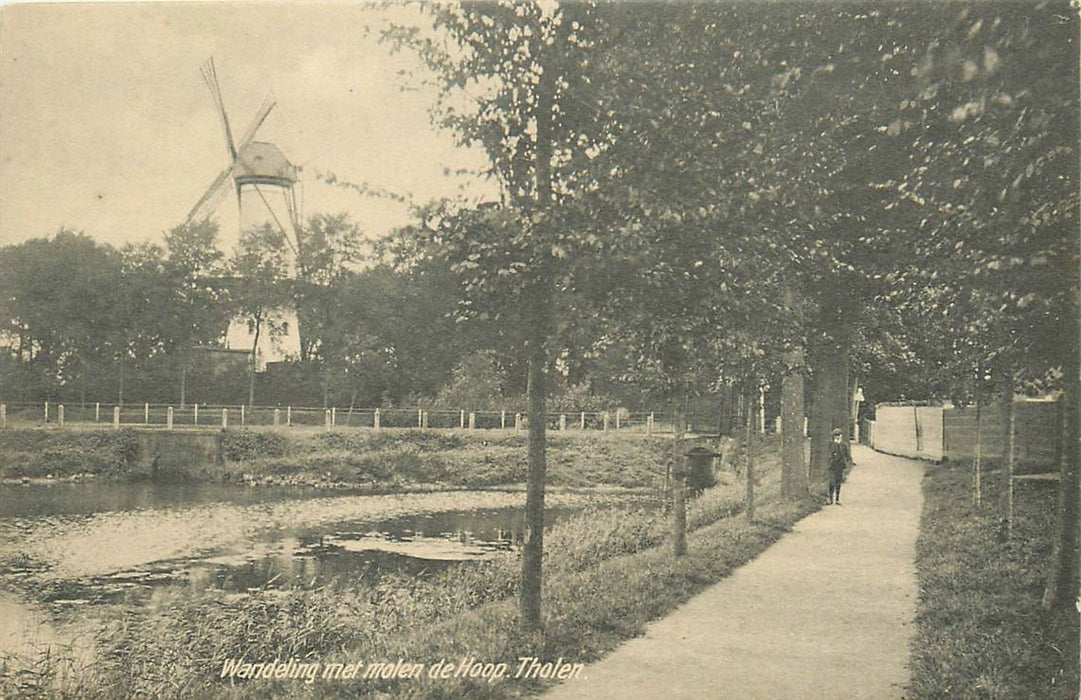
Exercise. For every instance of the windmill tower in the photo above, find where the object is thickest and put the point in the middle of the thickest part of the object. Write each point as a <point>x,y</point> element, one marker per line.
<point>254,166</point>
<point>259,168</point>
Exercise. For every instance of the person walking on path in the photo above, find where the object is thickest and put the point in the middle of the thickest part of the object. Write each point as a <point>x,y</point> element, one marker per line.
<point>840,461</point>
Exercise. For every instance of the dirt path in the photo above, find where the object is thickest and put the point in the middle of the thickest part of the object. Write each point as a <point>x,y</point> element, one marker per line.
<point>824,613</point>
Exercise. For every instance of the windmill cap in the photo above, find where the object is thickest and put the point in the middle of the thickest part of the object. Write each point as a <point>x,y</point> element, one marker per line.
<point>837,431</point>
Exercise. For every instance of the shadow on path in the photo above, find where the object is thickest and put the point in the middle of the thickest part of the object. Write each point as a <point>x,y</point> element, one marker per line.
<point>826,612</point>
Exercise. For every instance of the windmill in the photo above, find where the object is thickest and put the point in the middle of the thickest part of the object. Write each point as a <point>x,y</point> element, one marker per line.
<point>252,164</point>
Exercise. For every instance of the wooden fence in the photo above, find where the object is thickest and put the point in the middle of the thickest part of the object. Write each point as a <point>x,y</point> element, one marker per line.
<point>936,433</point>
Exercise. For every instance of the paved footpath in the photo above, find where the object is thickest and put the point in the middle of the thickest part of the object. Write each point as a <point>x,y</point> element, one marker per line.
<point>826,612</point>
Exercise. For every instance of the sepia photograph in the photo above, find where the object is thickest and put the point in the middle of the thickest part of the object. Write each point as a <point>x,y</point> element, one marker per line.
<point>510,349</point>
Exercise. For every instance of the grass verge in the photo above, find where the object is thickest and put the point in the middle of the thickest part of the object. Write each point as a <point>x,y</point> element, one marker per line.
<point>981,632</point>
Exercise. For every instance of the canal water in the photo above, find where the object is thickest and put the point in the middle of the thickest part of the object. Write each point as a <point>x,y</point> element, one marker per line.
<point>73,552</point>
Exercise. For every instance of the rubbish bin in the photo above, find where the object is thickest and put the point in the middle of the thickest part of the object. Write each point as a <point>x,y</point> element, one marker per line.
<point>698,468</point>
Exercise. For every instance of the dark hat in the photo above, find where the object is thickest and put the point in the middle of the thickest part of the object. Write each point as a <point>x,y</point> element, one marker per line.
<point>837,431</point>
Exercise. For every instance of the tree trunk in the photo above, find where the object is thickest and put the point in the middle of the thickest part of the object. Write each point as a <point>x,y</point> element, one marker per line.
<point>748,450</point>
<point>533,549</point>
<point>824,392</point>
<point>1008,438</point>
<point>679,483</point>
<point>120,386</point>
<point>254,356</point>
<point>977,458</point>
<point>793,461</point>
<point>1063,578</point>
<point>540,299</point>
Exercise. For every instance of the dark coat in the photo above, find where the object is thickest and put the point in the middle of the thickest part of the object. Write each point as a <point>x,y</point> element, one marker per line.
<point>840,457</point>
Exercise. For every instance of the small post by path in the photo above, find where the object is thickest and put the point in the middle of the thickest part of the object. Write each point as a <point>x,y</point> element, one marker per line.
<point>277,417</point>
<point>46,412</point>
<point>146,414</point>
<point>420,418</point>
<point>224,418</point>
<point>60,415</point>
<point>376,419</point>
<point>517,422</point>
<point>97,412</point>
<point>562,421</point>
<point>116,418</point>
<point>3,415</point>
<point>169,418</point>
<point>195,418</point>
<point>679,513</point>
<point>472,421</point>
<point>326,419</point>
<point>424,420</point>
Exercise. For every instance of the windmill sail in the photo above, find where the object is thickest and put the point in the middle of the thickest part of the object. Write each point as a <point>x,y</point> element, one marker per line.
<point>210,198</point>
<point>210,76</point>
<point>260,117</point>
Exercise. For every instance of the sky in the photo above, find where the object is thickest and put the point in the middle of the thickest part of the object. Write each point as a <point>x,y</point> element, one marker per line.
<point>107,127</point>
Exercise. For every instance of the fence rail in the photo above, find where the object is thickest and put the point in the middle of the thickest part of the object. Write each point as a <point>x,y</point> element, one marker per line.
<point>232,416</point>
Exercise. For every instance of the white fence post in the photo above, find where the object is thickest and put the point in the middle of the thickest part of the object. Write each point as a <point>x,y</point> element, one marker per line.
<point>472,421</point>
<point>146,414</point>
<point>60,415</point>
<point>169,418</point>
<point>420,418</point>
<point>461,419</point>
<point>617,420</point>
<point>3,415</point>
<point>46,411</point>
<point>225,418</point>
<point>195,420</point>
<point>649,424</point>
<point>503,420</point>
<point>605,418</point>
<point>288,416</point>
<point>517,422</point>
<point>326,419</point>
<point>97,412</point>
<point>424,420</point>
<point>243,417</point>
<point>376,419</point>
<point>334,416</point>
<point>562,421</point>
<point>582,424</point>
<point>116,418</point>
<point>277,417</point>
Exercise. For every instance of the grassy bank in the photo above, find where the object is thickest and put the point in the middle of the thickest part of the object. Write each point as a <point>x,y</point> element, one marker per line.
<point>607,573</point>
<point>40,453</point>
<point>454,458</point>
<point>381,460</point>
<point>981,632</point>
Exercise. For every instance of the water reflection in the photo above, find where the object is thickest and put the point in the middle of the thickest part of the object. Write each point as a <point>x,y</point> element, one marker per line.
<point>65,560</point>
